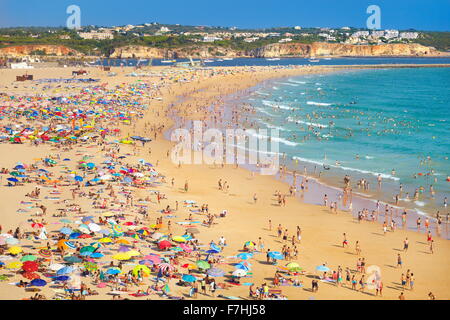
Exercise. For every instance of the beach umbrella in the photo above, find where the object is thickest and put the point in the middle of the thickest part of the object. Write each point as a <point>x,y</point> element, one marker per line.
<point>61,278</point>
<point>30,266</point>
<point>244,255</point>
<point>72,259</point>
<point>38,283</point>
<point>56,266</point>
<point>141,268</point>
<point>65,270</point>
<point>165,266</point>
<point>133,253</point>
<point>28,257</point>
<point>15,250</point>
<point>202,264</point>
<point>215,272</point>
<point>154,258</point>
<point>178,239</point>
<point>12,179</point>
<point>164,244</point>
<point>65,230</point>
<point>276,255</point>
<point>79,178</point>
<point>249,244</point>
<point>62,244</point>
<point>97,255</point>
<point>37,225</point>
<point>122,256</point>
<point>212,251</point>
<point>185,247</point>
<point>292,265</point>
<point>242,266</point>
<point>94,227</point>
<point>88,249</point>
<point>113,271</point>
<point>14,265</point>
<point>30,275</point>
<point>105,240</point>
<point>123,241</point>
<point>239,273</point>
<point>322,268</point>
<point>188,278</point>
<point>74,235</point>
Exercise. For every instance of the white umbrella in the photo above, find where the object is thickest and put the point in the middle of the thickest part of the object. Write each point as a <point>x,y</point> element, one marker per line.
<point>239,273</point>
<point>56,266</point>
<point>94,227</point>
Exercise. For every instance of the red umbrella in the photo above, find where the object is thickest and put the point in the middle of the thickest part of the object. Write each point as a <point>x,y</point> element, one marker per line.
<point>37,225</point>
<point>30,275</point>
<point>45,253</point>
<point>164,244</point>
<point>85,236</point>
<point>30,266</point>
<point>129,223</point>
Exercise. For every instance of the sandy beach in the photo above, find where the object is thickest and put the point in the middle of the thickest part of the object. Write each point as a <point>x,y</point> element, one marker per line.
<point>189,95</point>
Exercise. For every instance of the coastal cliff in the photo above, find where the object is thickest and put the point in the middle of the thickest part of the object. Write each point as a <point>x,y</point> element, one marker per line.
<point>25,50</point>
<point>291,49</point>
<point>318,49</point>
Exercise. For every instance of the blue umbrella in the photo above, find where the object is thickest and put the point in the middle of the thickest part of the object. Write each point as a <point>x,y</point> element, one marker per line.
<point>214,247</point>
<point>244,255</point>
<point>12,179</point>
<point>38,283</point>
<point>97,255</point>
<point>65,270</point>
<point>322,268</point>
<point>113,271</point>
<point>74,235</point>
<point>61,278</point>
<point>242,266</point>
<point>78,178</point>
<point>276,255</point>
<point>65,230</point>
<point>210,251</point>
<point>188,278</point>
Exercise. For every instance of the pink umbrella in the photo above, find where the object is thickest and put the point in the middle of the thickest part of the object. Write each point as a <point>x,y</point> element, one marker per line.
<point>165,266</point>
<point>153,258</point>
<point>185,247</point>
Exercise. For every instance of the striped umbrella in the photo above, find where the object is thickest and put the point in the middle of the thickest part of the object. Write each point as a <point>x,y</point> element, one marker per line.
<point>165,266</point>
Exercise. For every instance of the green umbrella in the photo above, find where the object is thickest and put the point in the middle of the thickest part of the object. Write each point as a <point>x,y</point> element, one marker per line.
<point>87,249</point>
<point>28,257</point>
<point>202,264</point>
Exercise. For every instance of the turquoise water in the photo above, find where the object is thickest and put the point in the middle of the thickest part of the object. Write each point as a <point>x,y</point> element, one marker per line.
<point>364,123</point>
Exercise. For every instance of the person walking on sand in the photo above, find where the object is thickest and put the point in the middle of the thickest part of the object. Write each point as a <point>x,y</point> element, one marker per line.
<point>357,248</point>
<point>401,296</point>
<point>399,261</point>
<point>405,245</point>
<point>432,246</point>
<point>345,241</point>
<point>186,186</point>
<point>254,198</point>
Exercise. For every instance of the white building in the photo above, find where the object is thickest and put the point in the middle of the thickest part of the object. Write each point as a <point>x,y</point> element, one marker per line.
<point>285,40</point>
<point>390,34</point>
<point>361,34</point>
<point>409,35</point>
<point>298,28</point>
<point>93,35</point>
<point>210,39</point>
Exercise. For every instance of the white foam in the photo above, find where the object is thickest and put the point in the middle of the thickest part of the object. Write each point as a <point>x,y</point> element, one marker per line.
<point>318,103</point>
<point>383,175</point>
<point>318,125</point>
<point>419,203</point>
<point>279,139</point>
<point>299,82</point>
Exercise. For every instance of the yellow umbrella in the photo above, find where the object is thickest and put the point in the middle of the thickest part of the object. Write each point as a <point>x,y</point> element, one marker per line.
<point>292,265</point>
<point>107,214</point>
<point>14,265</point>
<point>133,253</point>
<point>145,271</point>
<point>178,239</point>
<point>122,256</point>
<point>105,240</point>
<point>15,250</point>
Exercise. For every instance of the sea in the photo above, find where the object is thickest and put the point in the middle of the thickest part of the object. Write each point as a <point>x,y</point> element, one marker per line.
<point>391,124</point>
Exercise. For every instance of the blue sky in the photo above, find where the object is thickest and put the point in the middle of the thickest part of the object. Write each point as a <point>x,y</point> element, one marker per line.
<point>398,14</point>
